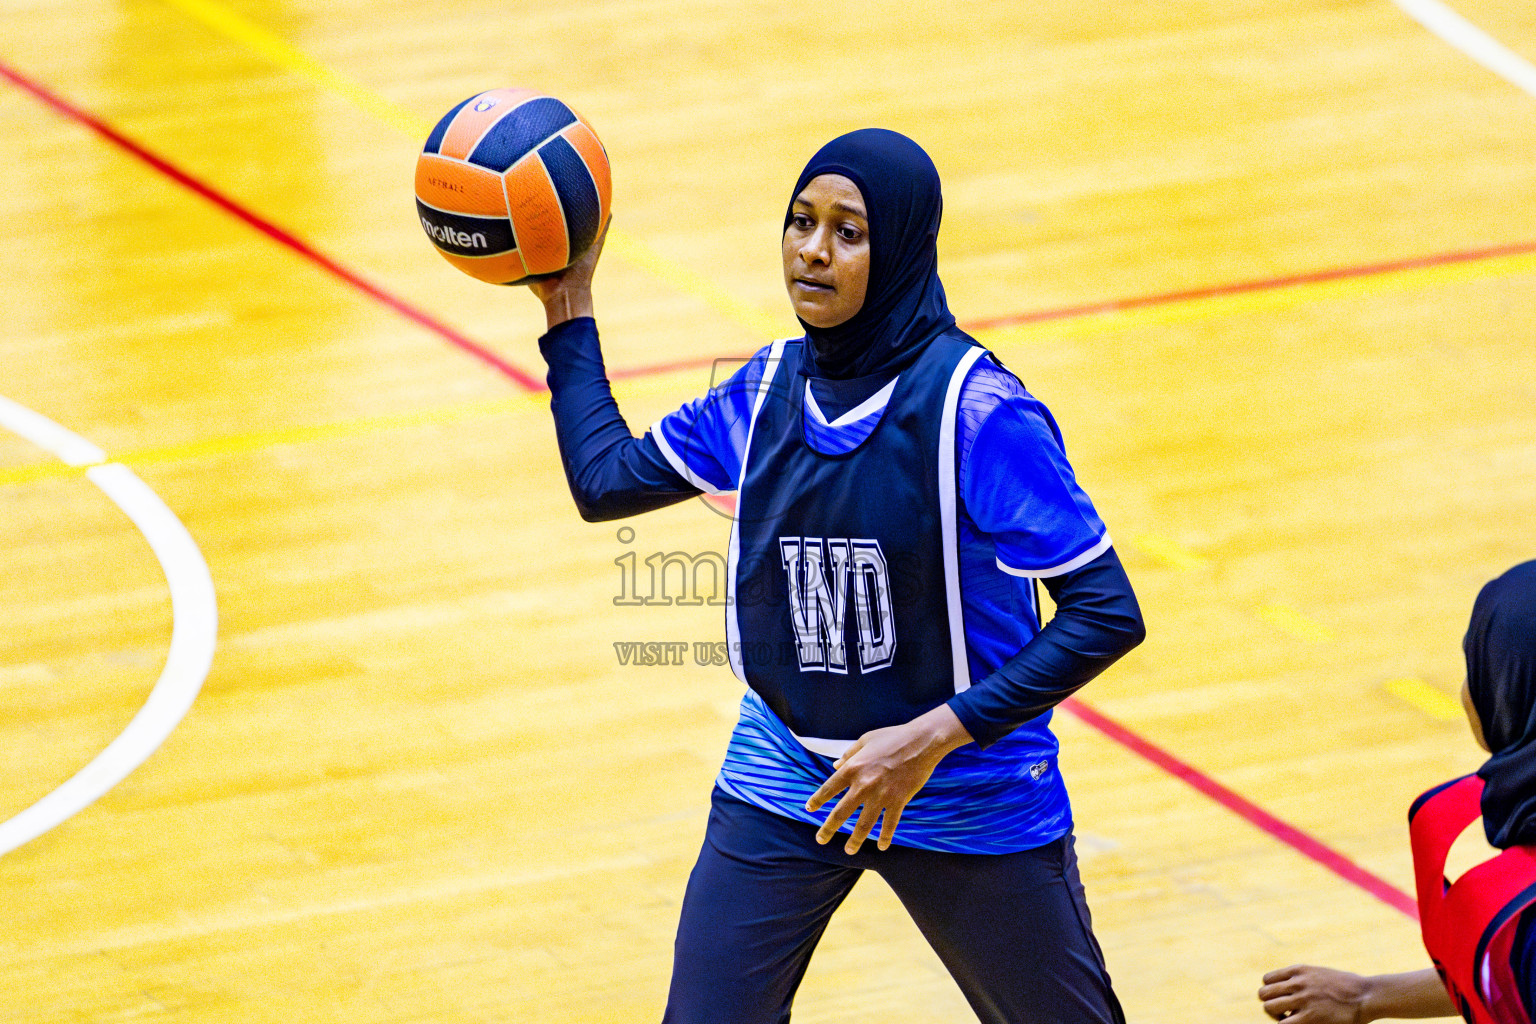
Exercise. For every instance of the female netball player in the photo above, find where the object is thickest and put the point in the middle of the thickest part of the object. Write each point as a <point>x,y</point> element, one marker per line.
<point>1478,929</point>
<point>898,494</point>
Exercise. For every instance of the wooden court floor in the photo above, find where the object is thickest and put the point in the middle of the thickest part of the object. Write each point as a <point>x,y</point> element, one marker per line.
<point>1270,264</point>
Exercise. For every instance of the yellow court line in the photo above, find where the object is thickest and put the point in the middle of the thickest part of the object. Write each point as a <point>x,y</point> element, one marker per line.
<point>273,47</point>
<point>1168,551</point>
<point>1159,548</point>
<point>688,282</point>
<point>42,471</point>
<point>1288,620</point>
<point>253,37</point>
<point>279,51</point>
<point>1426,698</point>
<point>1281,296</point>
<point>257,440</point>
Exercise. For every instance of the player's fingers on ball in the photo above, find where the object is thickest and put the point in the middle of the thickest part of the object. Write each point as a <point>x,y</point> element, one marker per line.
<point>597,243</point>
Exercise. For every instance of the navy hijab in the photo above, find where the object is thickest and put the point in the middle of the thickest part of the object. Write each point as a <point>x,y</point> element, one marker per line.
<point>904,306</point>
<point>1501,675</point>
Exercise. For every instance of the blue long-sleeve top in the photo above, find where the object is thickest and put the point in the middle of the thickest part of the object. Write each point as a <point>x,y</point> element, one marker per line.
<point>613,474</point>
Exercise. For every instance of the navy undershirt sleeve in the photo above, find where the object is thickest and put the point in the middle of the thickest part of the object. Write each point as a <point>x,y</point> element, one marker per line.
<point>612,473</point>
<point>1097,622</point>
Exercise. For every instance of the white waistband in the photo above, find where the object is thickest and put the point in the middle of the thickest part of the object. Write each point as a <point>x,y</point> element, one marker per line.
<point>826,748</point>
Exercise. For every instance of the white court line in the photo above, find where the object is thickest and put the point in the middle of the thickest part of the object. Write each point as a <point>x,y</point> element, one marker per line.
<point>194,627</point>
<point>1472,41</point>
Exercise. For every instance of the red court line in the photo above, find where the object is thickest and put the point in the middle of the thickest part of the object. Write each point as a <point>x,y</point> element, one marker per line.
<point>1246,809</point>
<point>1259,285</point>
<point>1304,844</point>
<point>270,229</point>
<point>1442,259</point>
<point>532,383</point>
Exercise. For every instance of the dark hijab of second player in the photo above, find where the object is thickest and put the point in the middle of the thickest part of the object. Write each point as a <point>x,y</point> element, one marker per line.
<point>1501,676</point>
<point>904,305</point>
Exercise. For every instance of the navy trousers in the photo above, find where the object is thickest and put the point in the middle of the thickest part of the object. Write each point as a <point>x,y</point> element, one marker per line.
<point>1013,929</point>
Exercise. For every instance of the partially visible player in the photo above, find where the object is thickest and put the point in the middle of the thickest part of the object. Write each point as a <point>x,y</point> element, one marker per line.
<point>899,495</point>
<point>1480,930</point>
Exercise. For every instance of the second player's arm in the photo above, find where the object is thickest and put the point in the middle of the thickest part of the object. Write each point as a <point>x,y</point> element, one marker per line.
<point>1322,995</point>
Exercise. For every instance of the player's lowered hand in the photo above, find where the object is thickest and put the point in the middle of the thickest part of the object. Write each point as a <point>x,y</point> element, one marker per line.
<point>882,771</point>
<point>1314,995</point>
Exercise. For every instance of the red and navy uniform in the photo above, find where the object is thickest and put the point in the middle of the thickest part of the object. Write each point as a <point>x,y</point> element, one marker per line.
<point>1473,926</point>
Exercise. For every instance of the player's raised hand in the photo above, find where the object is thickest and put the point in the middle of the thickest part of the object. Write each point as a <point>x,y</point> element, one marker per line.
<point>882,771</point>
<point>568,294</point>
